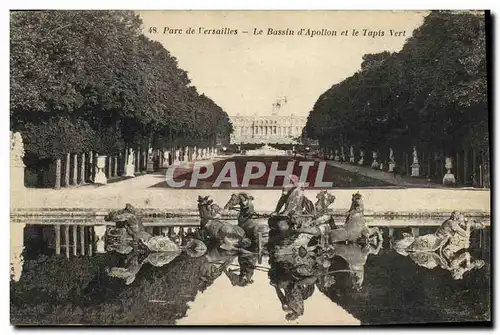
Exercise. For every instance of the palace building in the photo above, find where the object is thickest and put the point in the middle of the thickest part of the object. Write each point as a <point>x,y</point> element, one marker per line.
<point>274,128</point>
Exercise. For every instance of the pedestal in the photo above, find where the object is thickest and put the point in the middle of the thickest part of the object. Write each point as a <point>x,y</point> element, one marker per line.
<point>16,161</point>
<point>195,154</point>
<point>392,166</point>
<point>449,179</point>
<point>82,169</point>
<point>375,165</point>
<point>352,160</point>
<point>336,156</point>
<point>100,232</point>
<point>150,167</point>
<point>177,157</point>
<point>115,166</point>
<point>16,249</point>
<point>129,170</point>
<point>415,170</point>
<point>361,161</point>
<point>17,177</point>
<point>150,161</point>
<point>100,177</point>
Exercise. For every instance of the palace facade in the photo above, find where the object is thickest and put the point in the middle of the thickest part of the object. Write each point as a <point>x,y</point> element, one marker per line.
<point>274,128</point>
<point>267,129</point>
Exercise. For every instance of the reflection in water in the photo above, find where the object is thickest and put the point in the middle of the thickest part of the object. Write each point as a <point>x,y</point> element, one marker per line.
<point>303,276</point>
<point>443,247</point>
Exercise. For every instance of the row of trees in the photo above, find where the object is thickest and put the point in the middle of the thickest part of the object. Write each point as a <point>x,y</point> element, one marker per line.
<point>90,80</point>
<point>432,94</point>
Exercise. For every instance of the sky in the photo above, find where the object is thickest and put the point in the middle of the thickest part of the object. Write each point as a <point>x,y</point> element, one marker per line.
<point>246,73</point>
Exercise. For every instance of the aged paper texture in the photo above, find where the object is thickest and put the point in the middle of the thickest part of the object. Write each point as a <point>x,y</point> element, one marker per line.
<point>249,167</point>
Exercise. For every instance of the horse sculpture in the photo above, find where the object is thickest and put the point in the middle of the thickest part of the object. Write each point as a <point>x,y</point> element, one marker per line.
<point>128,221</point>
<point>129,235</point>
<point>257,232</point>
<point>247,264</point>
<point>356,256</point>
<point>135,262</point>
<point>354,229</point>
<point>224,234</point>
<point>320,215</point>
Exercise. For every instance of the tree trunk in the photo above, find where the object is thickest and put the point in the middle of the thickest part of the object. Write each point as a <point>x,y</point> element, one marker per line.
<point>75,169</point>
<point>115,165</point>
<point>441,164</point>
<point>67,170</point>
<point>466,162</point>
<point>429,162</point>
<point>474,168</point>
<point>91,167</point>
<point>57,184</point>
<point>486,169</point>
<point>82,168</point>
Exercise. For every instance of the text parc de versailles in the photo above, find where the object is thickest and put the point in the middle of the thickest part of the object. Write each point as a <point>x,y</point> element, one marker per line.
<point>281,32</point>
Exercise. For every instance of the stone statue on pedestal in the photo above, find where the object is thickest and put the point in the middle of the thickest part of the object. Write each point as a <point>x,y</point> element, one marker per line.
<point>336,157</point>
<point>415,167</point>
<point>130,157</point>
<point>100,177</point>
<point>362,158</point>
<point>352,158</point>
<point>449,177</point>
<point>150,163</point>
<point>16,161</point>
<point>16,149</point>
<point>392,162</point>
<point>130,167</point>
<point>177,156</point>
<point>165,158</point>
<point>375,164</point>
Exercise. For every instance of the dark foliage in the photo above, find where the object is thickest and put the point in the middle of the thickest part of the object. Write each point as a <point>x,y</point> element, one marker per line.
<point>431,94</point>
<point>89,80</point>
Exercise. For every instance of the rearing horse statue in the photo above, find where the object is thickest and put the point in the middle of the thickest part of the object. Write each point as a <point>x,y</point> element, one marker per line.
<point>246,217</point>
<point>354,229</point>
<point>226,235</point>
<point>320,215</point>
<point>130,235</point>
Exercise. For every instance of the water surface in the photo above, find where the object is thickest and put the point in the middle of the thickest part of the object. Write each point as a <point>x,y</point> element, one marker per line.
<point>54,289</point>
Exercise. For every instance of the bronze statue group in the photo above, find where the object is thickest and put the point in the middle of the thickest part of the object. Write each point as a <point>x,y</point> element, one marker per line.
<point>300,238</point>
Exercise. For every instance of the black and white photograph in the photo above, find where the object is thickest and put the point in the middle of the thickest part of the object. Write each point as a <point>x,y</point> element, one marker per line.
<point>250,168</point>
